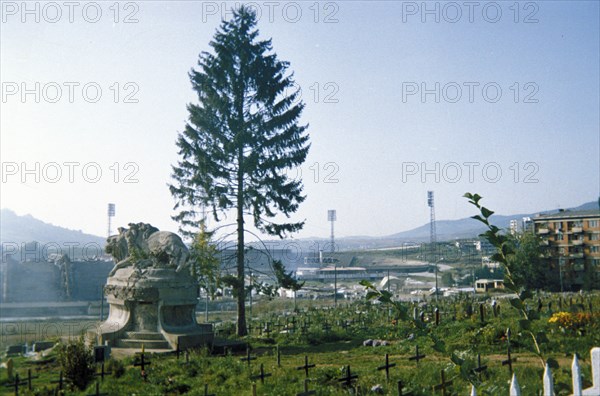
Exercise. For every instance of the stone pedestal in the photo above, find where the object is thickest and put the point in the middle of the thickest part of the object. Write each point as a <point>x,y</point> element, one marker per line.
<point>154,307</point>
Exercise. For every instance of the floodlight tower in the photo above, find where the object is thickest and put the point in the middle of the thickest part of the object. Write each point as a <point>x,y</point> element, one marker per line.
<point>432,236</point>
<point>332,217</point>
<point>111,214</point>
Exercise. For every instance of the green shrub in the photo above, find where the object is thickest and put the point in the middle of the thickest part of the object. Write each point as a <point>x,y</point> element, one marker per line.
<point>116,367</point>
<point>77,362</point>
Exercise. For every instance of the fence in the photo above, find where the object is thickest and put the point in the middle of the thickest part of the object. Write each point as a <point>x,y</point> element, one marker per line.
<point>548,381</point>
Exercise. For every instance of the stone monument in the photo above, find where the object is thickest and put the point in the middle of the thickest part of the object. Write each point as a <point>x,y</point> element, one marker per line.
<point>151,294</point>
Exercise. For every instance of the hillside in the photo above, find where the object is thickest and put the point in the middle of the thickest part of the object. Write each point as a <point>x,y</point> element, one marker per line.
<point>19,229</point>
<point>15,228</point>
<point>469,228</point>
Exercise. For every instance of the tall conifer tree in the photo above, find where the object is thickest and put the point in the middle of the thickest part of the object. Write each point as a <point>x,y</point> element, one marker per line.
<point>240,139</point>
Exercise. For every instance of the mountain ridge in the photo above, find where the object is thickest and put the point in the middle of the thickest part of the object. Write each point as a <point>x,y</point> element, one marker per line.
<point>26,228</point>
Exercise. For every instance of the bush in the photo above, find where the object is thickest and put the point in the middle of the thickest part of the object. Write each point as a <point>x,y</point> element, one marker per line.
<point>115,367</point>
<point>573,322</point>
<point>77,362</point>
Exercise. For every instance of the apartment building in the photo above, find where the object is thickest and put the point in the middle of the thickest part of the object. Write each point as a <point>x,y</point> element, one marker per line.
<point>571,245</point>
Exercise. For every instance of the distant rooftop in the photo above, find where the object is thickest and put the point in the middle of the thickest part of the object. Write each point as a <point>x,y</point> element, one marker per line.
<point>563,214</point>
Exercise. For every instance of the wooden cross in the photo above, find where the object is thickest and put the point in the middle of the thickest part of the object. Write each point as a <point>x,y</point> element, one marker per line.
<point>278,325</point>
<point>248,358</point>
<point>206,391</point>
<point>61,381</point>
<point>417,357</point>
<point>386,367</point>
<point>444,385</point>
<point>347,380</point>
<point>278,356</point>
<point>142,364</point>
<point>304,327</point>
<point>102,373</point>
<point>479,369</point>
<point>97,393</point>
<point>262,374</point>
<point>482,313</point>
<point>293,323</point>
<point>509,361</point>
<point>16,384</point>
<point>306,391</point>
<point>306,366</point>
<point>179,350</point>
<point>345,324</point>
<point>469,310</point>
<point>267,330</point>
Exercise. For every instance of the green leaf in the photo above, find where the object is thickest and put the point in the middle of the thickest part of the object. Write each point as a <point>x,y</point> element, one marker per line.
<point>386,296</point>
<point>486,212</point>
<point>525,294</point>
<point>541,338</point>
<point>515,302</point>
<point>507,249</point>
<point>456,360</point>
<point>439,346</point>
<point>525,324</point>
<point>372,295</point>
<point>533,314</point>
<point>403,314</point>
<point>366,284</point>
<point>479,218</point>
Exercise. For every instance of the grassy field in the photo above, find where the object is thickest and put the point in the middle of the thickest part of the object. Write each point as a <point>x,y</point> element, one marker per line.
<point>333,339</point>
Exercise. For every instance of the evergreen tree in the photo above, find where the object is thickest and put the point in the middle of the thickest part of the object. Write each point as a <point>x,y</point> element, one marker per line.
<point>240,139</point>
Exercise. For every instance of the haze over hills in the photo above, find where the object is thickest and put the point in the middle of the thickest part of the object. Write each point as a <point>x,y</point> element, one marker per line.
<point>447,230</point>
<point>468,228</point>
<point>19,229</point>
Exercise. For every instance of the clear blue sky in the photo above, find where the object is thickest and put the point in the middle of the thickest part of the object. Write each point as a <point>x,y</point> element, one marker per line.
<point>374,138</point>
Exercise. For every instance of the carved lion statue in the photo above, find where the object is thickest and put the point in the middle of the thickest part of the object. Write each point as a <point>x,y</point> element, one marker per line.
<point>142,245</point>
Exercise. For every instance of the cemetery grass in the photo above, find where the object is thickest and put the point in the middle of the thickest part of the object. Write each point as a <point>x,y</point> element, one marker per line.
<point>331,349</point>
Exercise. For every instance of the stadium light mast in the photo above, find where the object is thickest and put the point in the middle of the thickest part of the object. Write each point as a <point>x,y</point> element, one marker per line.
<point>432,236</point>
<point>111,214</point>
<point>332,217</point>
